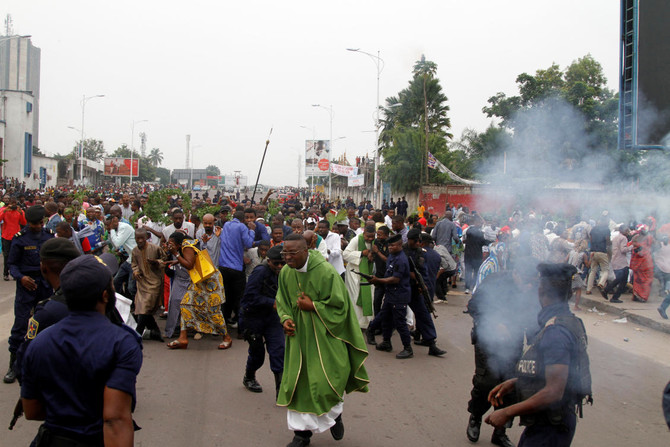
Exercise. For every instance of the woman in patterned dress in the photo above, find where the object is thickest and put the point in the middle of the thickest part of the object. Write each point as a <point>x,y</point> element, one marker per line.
<point>201,303</point>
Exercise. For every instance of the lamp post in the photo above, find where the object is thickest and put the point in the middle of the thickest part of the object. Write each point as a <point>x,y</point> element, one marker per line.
<point>84,100</point>
<point>132,150</point>
<point>379,62</point>
<point>192,157</point>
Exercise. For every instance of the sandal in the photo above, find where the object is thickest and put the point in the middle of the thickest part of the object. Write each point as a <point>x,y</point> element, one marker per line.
<point>226,344</point>
<point>176,344</point>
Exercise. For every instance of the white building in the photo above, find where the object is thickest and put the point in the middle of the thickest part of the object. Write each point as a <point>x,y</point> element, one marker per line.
<point>19,108</point>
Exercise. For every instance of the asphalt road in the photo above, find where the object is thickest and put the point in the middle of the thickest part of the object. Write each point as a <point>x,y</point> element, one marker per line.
<point>196,398</point>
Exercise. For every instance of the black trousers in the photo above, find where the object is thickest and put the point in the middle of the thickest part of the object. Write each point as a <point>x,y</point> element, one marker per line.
<point>442,284</point>
<point>234,282</point>
<point>485,379</point>
<point>6,245</point>
<point>618,286</point>
<point>378,299</point>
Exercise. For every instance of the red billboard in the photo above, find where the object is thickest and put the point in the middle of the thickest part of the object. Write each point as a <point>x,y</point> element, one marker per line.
<point>121,166</point>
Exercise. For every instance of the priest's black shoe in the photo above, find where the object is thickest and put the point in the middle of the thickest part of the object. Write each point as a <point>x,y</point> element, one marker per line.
<point>406,353</point>
<point>474,425</point>
<point>337,430</point>
<point>385,346</point>
<point>299,441</point>
<point>434,350</point>
<point>252,384</point>
<point>500,438</point>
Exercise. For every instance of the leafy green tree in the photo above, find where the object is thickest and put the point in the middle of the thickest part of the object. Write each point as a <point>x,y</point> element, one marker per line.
<point>155,156</point>
<point>164,175</point>
<point>417,116</point>
<point>213,170</point>
<point>560,122</point>
<point>93,149</point>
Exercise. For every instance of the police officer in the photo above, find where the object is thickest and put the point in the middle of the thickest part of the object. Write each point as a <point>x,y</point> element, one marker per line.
<point>398,294</point>
<point>54,256</point>
<point>31,287</point>
<point>424,323</point>
<point>81,373</point>
<point>503,309</point>
<point>553,371</point>
<point>259,321</point>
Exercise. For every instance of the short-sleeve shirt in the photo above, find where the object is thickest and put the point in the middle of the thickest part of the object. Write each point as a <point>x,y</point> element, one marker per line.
<point>556,345</point>
<point>68,366</point>
<point>397,266</point>
<point>600,235</point>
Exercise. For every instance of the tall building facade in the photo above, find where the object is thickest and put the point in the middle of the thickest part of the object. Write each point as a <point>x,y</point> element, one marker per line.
<point>19,106</point>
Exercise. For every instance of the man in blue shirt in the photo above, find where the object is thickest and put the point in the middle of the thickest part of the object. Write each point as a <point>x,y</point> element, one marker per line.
<point>235,238</point>
<point>79,375</point>
<point>260,232</point>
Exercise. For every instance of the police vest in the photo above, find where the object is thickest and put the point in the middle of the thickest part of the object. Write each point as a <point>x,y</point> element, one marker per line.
<point>530,371</point>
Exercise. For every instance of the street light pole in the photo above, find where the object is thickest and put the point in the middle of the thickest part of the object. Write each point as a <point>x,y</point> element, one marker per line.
<point>84,100</point>
<point>329,109</point>
<point>132,150</point>
<point>379,62</point>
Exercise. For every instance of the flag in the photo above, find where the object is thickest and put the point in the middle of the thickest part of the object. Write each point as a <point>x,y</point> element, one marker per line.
<point>432,161</point>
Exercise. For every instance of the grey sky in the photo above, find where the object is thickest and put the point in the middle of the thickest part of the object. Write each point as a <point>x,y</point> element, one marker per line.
<point>226,72</point>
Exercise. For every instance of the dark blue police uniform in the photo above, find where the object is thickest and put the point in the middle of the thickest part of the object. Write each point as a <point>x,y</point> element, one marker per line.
<point>259,320</point>
<point>68,367</point>
<point>397,296</point>
<point>424,322</point>
<point>24,260</point>
<point>47,313</point>
<point>433,261</point>
<point>555,345</point>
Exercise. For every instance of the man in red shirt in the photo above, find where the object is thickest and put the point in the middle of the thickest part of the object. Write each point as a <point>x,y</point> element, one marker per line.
<point>13,219</point>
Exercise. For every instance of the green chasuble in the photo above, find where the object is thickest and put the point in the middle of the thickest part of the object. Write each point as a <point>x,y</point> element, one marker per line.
<point>324,359</point>
<point>365,292</point>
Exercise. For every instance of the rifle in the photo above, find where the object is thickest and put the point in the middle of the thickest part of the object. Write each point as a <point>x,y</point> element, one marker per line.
<point>18,411</point>
<point>422,287</point>
<point>363,275</point>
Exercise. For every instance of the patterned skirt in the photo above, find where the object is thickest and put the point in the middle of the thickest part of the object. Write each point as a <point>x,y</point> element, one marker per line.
<point>201,306</point>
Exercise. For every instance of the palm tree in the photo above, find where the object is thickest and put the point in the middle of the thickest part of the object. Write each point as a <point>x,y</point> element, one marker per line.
<point>155,156</point>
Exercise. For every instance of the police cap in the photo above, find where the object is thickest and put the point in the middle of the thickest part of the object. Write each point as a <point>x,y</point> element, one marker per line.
<point>35,214</point>
<point>58,248</point>
<point>274,254</point>
<point>85,278</point>
<point>414,234</point>
<point>395,238</point>
<point>556,272</point>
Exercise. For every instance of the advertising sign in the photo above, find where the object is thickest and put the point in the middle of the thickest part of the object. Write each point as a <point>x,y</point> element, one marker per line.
<point>356,180</point>
<point>346,171</point>
<point>121,167</point>
<point>317,158</point>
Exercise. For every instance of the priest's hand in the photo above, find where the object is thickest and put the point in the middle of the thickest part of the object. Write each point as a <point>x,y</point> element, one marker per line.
<point>289,327</point>
<point>305,303</point>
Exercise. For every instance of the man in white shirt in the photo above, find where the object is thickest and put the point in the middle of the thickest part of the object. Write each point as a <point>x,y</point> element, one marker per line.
<point>179,224</point>
<point>334,245</point>
<point>388,219</point>
<point>122,236</point>
<point>126,208</point>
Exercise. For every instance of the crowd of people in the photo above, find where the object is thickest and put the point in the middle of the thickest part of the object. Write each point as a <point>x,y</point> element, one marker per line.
<point>285,275</point>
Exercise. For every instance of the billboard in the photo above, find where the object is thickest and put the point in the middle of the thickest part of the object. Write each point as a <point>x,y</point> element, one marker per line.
<point>121,167</point>
<point>356,180</point>
<point>317,158</point>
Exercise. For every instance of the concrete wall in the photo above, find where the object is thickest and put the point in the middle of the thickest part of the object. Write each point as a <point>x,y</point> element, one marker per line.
<point>17,121</point>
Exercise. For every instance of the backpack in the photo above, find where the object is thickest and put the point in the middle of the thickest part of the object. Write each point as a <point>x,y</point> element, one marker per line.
<point>579,378</point>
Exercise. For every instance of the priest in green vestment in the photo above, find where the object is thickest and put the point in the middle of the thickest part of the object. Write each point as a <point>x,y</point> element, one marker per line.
<point>358,258</point>
<point>325,349</point>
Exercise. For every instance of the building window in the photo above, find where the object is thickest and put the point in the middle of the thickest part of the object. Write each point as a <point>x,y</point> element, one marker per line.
<point>28,154</point>
<point>29,107</point>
